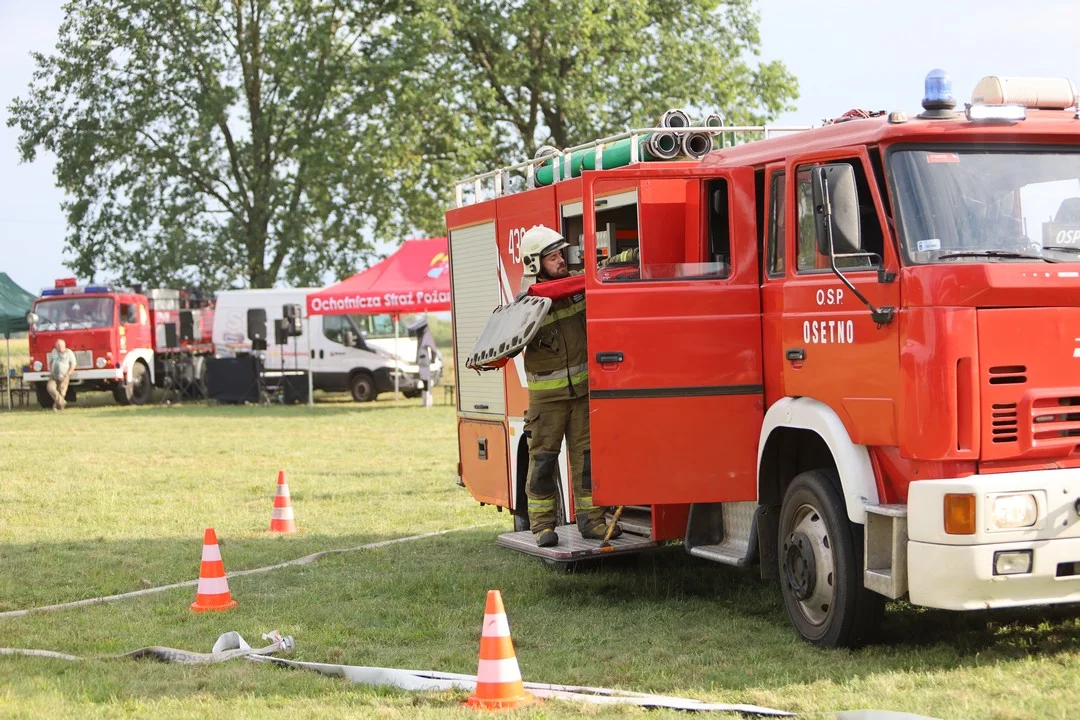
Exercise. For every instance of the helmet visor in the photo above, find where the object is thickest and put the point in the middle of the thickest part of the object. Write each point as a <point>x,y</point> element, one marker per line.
<point>554,247</point>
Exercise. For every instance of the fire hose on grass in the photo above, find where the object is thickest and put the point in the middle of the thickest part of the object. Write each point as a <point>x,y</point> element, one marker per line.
<point>231,646</point>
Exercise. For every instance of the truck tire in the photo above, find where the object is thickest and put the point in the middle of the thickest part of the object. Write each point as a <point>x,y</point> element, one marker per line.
<point>42,391</point>
<point>362,387</point>
<point>120,394</point>
<point>138,390</point>
<point>821,565</point>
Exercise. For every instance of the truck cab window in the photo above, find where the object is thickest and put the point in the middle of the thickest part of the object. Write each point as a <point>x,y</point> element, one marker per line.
<point>873,238</point>
<point>648,240</point>
<point>777,223</point>
<point>719,227</point>
<point>129,314</point>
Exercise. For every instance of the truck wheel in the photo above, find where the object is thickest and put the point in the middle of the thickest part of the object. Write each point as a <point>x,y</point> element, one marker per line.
<point>142,390</point>
<point>821,562</point>
<point>362,387</point>
<point>42,391</point>
<point>120,394</point>
<point>138,390</point>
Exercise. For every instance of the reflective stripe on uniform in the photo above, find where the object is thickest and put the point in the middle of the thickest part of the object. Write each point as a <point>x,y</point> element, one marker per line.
<point>556,374</point>
<point>541,504</point>
<point>564,313</point>
<point>558,383</point>
<point>583,502</point>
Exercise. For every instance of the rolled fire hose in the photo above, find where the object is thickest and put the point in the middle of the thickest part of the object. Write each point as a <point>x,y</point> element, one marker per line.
<point>697,145</point>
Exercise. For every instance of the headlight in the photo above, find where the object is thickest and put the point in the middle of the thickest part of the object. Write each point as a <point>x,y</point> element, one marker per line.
<point>37,366</point>
<point>1014,511</point>
<point>100,363</point>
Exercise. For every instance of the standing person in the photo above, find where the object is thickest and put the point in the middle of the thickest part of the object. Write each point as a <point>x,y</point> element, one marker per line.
<point>557,371</point>
<point>61,365</point>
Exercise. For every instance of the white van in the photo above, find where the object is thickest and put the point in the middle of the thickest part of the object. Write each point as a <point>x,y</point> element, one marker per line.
<point>343,352</point>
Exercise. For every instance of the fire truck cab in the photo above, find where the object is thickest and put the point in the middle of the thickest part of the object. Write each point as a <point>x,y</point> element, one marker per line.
<point>848,354</point>
<point>124,342</point>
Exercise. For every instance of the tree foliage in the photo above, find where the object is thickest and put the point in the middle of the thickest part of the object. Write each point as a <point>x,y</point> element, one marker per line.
<point>223,142</point>
<point>516,74</point>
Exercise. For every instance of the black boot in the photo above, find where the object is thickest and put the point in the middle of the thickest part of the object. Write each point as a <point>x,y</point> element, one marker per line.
<point>547,538</point>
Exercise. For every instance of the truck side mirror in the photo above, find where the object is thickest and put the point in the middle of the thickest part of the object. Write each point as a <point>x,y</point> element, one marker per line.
<point>32,318</point>
<point>836,220</point>
<point>836,209</point>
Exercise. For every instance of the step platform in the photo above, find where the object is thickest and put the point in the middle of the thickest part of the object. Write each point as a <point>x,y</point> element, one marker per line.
<point>572,547</point>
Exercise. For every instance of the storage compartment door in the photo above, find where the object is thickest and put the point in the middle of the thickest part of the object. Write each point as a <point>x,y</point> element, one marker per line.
<point>484,467</point>
<point>474,273</point>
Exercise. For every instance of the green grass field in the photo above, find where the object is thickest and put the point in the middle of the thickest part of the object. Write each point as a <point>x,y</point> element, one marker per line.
<point>102,500</point>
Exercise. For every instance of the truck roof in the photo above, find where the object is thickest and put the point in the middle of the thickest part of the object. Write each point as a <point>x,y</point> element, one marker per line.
<point>1043,126</point>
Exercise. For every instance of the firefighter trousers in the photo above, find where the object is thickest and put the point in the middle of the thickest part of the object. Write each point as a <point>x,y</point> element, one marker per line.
<point>548,423</point>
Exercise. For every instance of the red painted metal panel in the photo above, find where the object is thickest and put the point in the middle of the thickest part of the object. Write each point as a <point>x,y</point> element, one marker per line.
<point>484,470</point>
<point>662,419</point>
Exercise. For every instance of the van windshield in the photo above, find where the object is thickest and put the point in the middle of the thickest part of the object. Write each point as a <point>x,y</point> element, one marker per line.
<point>73,314</point>
<point>980,205</point>
<point>377,327</point>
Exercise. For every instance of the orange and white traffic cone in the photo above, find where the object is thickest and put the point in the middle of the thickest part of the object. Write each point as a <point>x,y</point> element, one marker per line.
<point>213,592</point>
<point>281,517</point>
<point>498,678</point>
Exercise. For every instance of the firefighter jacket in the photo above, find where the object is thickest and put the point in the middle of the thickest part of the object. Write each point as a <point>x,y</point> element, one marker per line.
<point>557,360</point>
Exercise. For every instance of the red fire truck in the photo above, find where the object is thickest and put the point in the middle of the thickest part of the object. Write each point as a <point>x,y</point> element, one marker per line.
<point>850,355</point>
<point>124,341</point>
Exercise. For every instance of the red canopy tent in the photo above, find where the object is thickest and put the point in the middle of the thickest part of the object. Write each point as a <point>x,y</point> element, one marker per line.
<point>414,279</point>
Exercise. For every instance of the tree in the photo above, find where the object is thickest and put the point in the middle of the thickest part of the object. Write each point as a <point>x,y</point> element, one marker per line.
<point>212,142</point>
<point>520,73</point>
<point>217,142</point>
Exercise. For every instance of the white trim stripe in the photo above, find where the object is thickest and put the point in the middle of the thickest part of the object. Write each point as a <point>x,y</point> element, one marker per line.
<point>498,671</point>
<point>496,625</point>
<point>213,586</point>
<point>283,491</point>
<point>211,553</point>
<point>281,514</point>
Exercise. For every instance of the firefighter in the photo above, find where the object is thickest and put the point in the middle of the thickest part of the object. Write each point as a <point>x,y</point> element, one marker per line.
<point>557,371</point>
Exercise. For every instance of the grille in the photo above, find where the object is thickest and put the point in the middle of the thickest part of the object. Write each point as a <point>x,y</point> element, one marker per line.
<point>1008,375</point>
<point>1053,418</point>
<point>1004,422</point>
<point>84,358</point>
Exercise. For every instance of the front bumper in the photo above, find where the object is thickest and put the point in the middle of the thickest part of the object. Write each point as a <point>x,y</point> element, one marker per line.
<point>78,376</point>
<point>384,380</point>
<point>962,578</point>
<point>956,572</point>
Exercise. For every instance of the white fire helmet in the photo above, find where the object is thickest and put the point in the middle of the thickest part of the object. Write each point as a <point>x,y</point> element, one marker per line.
<point>537,242</point>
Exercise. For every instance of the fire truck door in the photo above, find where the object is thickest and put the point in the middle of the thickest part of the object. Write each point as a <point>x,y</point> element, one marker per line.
<point>833,351</point>
<point>675,365</point>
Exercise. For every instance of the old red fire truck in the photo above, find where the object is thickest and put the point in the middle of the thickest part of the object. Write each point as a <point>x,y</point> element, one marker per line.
<point>124,341</point>
<point>850,355</point>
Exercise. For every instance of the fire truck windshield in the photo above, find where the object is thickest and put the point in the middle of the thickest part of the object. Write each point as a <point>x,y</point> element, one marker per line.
<point>73,314</point>
<point>987,205</point>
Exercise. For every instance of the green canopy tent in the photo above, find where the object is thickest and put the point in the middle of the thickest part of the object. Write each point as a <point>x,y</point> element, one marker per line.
<point>14,304</point>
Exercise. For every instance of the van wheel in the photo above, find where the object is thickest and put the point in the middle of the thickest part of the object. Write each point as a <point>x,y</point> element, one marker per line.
<point>362,387</point>
<point>821,561</point>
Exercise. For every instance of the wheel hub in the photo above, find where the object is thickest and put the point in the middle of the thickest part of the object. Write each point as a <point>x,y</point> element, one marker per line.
<point>809,564</point>
<point>799,565</point>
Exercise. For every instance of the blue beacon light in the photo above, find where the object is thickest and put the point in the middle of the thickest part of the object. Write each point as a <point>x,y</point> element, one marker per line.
<point>938,99</point>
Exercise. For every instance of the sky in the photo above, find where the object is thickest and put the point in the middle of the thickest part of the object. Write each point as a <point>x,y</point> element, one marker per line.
<point>845,53</point>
